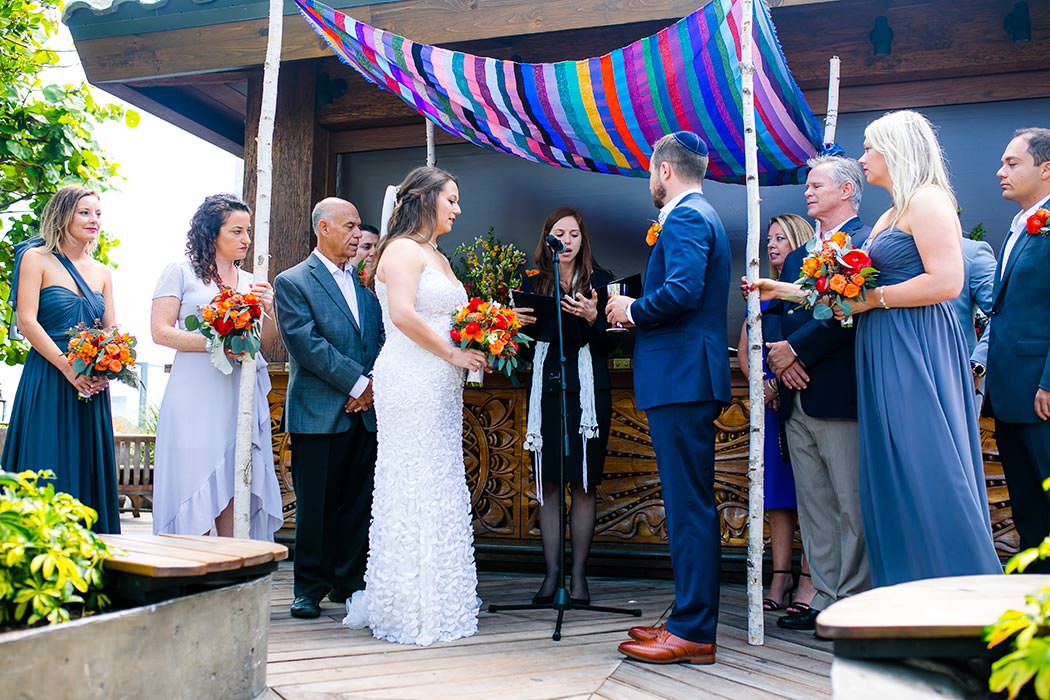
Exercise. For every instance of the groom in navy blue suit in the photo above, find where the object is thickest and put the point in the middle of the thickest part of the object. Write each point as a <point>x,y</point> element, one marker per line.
<point>681,381</point>
<point>1018,379</point>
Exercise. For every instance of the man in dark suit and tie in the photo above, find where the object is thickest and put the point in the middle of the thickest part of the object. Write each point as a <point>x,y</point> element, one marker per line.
<point>1018,379</point>
<point>818,404</point>
<point>681,380</point>
<point>332,327</point>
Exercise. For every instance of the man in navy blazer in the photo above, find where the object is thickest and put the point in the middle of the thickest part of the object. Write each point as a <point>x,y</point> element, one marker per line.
<point>1018,379</point>
<point>818,404</point>
<point>681,380</point>
<point>332,327</point>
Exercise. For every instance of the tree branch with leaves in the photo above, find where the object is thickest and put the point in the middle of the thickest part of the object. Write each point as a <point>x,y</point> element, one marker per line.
<point>47,139</point>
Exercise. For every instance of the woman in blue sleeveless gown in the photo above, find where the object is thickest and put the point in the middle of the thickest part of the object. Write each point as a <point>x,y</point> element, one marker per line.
<point>922,490</point>
<point>57,285</point>
<point>784,233</point>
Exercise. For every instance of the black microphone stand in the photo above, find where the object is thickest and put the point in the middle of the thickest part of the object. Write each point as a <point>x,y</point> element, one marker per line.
<point>562,601</point>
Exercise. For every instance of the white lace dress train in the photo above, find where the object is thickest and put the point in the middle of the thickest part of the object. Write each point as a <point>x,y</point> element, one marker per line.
<point>421,580</point>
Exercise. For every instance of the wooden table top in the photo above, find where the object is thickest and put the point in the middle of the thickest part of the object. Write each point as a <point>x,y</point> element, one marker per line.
<point>941,608</point>
<point>176,556</point>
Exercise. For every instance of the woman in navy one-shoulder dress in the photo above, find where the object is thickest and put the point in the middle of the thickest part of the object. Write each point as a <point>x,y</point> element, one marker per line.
<point>922,490</point>
<point>57,285</point>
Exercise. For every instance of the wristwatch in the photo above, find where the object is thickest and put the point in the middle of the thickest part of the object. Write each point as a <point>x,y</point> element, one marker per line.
<point>978,369</point>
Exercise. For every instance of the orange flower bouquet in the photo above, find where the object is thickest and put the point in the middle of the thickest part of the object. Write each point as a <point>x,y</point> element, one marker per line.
<point>232,324</point>
<point>835,273</point>
<point>492,328</point>
<point>102,352</point>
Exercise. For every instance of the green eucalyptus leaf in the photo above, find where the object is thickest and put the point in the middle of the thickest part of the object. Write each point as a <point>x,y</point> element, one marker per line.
<point>822,312</point>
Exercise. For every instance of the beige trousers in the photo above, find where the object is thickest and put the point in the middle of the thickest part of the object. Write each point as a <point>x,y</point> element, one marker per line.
<point>824,461</point>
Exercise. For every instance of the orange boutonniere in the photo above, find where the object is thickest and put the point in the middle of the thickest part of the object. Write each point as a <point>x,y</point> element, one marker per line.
<point>1039,223</point>
<point>653,234</point>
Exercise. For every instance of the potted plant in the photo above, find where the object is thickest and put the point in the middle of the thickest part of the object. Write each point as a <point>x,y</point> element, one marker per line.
<point>50,560</point>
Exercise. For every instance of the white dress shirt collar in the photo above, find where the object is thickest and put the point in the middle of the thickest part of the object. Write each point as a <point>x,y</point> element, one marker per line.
<point>665,210</point>
<point>833,230</point>
<point>1020,222</point>
<point>332,267</point>
<point>1017,229</point>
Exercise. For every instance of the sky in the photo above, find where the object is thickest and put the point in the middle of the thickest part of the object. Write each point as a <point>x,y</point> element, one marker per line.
<point>167,174</point>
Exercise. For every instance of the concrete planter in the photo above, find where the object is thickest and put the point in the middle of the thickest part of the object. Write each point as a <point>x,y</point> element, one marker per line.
<point>206,646</point>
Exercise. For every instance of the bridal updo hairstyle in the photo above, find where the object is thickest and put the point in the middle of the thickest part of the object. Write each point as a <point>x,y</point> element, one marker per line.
<point>415,209</point>
<point>204,229</point>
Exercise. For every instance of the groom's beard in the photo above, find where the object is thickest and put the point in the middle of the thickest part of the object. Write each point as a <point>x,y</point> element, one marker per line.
<point>659,193</point>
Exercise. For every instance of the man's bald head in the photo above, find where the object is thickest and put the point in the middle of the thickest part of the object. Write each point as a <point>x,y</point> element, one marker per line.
<point>335,223</point>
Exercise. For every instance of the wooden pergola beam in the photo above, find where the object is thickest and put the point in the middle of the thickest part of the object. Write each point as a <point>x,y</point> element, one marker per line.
<point>238,45</point>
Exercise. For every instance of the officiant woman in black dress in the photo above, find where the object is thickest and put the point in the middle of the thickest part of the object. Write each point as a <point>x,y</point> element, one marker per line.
<point>588,398</point>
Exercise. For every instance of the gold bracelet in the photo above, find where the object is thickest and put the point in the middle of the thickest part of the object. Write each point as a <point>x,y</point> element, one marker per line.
<point>882,298</point>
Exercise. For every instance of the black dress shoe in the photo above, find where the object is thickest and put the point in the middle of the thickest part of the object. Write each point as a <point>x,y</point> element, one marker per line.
<point>800,621</point>
<point>305,607</point>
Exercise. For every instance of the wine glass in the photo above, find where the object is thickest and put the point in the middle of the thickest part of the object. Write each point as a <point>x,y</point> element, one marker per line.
<point>616,289</point>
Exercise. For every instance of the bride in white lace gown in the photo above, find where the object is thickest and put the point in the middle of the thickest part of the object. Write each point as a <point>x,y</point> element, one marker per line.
<point>421,581</point>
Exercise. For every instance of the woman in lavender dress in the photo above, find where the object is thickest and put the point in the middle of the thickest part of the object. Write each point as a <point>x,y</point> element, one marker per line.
<point>196,428</point>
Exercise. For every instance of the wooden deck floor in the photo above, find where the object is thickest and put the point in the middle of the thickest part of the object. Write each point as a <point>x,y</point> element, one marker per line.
<point>512,657</point>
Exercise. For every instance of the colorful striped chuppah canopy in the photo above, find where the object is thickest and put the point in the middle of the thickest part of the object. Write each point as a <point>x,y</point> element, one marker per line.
<point>600,114</point>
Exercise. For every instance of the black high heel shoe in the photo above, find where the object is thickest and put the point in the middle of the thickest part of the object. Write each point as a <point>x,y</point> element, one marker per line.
<point>543,599</point>
<point>771,604</point>
<point>586,600</point>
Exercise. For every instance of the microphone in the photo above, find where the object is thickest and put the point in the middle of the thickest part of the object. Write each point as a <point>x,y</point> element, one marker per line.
<point>554,244</point>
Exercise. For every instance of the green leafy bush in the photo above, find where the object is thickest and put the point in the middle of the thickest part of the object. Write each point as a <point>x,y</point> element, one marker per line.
<point>50,561</point>
<point>1028,632</point>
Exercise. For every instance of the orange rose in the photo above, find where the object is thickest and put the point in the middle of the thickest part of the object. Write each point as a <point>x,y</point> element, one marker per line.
<point>115,366</point>
<point>496,347</point>
<point>851,291</point>
<point>839,238</point>
<point>653,234</point>
<point>837,283</point>
<point>810,267</point>
<point>113,349</point>
<point>243,319</point>
<point>857,280</point>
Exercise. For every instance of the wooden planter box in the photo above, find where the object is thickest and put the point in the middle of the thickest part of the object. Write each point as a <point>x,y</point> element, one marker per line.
<point>197,647</point>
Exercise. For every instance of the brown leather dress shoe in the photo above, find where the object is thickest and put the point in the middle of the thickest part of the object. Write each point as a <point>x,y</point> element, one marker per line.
<point>642,633</point>
<point>669,649</point>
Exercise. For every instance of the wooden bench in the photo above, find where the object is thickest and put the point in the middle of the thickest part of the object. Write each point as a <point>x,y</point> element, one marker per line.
<point>149,568</point>
<point>936,619</point>
<point>134,455</point>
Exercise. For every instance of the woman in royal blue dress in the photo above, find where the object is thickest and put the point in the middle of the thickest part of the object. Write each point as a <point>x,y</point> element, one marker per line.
<point>57,284</point>
<point>922,490</point>
<point>785,233</point>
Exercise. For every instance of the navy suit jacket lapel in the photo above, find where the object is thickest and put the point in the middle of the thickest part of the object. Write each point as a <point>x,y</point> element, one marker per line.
<point>1015,255</point>
<point>324,278</point>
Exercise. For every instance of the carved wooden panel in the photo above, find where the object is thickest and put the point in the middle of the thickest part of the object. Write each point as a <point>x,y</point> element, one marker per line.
<point>630,500</point>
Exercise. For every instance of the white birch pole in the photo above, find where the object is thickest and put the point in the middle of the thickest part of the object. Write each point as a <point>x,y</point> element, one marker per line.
<point>431,156</point>
<point>242,494</point>
<point>831,119</point>
<point>755,466</point>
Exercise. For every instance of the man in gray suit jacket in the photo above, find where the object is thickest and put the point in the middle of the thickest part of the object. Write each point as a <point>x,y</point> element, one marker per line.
<point>979,282</point>
<point>332,328</point>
